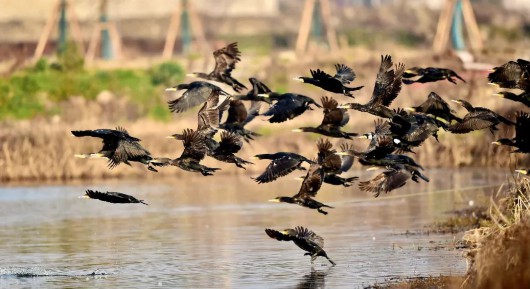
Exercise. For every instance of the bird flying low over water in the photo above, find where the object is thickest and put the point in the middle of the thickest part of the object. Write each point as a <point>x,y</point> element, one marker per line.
<point>305,239</point>
<point>196,93</point>
<point>394,177</point>
<point>118,147</point>
<point>288,106</point>
<point>310,186</point>
<point>225,61</point>
<point>282,164</point>
<point>437,107</point>
<point>333,165</point>
<point>477,118</point>
<point>386,89</point>
<point>334,119</point>
<point>521,141</point>
<point>112,197</point>
<point>335,83</point>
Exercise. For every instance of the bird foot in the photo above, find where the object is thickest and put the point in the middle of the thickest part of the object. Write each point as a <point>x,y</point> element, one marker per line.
<point>322,211</point>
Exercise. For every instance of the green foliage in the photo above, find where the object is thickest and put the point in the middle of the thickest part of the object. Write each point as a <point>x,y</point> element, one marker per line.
<point>166,74</point>
<point>27,93</point>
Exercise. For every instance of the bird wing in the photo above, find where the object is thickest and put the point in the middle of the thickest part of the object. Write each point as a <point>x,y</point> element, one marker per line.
<point>126,150</point>
<point>237,112</point>
<point>230,143</point>
<point>319,74</point>
<point>347,161</point>
<point>258,86</point>
<point>194,145</point>
<point>253,111</point>
<point>226,59</point>
<point>521,130</point>
<point>332,115</point>
<point>279,235</point>
<point>474,121</point>
<point>307,235</point>
<point>312,182</point>
<point>344,73</point>
<point>388,82</point>
<point>278,168</point>
<point>192,97</point>
<point>385,182</point>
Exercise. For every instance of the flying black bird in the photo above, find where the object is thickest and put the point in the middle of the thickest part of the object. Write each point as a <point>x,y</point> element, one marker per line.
<point>521,141</point>
<point>225,151</point>
<point>334,119</point>
<point>238,117</point>
<point>310,186</point>
<point>196,93</point>
<point>118,146</point>
<point>430,74</point>
<point>436,106</point>
<point>392,178</point>
<point>336,83</point>
<point>414,128</point>
<point>513,74</point>
<point>258,92</point>
<point>523,97</point>
<point>282,164</point>
<point>194,151</point>
<point>288,106</point>
<point>386,89</point>
<point>333,165</point>
<point>112,197</point>
<point>305,239</point>
<point>225,61</point>
<point>477,118</point>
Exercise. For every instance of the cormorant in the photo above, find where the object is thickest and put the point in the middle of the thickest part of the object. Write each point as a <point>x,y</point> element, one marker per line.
<point>288,106</point>
<point>392,178</point>
<point>282,164</point>
<point>513,74</point>
<point>225,151</point>
<point>436,106</point>
<point>521,141</point>
<point>430,74</point>
<point>194,151</point>
<point>305,239</point>
<point>523,97</point>
<point>196,93</point>
<point>257,93</point>
<point>225,61</point>
<point>112,197</point>
<point>310,186</point>
<point>477,118</point>
<point>413,129</point>
<point>238,117</point>
<point>336,83</point>
<point>386,89</point>
<point>333,165</point>
<point>334,119</point>
<point>118,146</point>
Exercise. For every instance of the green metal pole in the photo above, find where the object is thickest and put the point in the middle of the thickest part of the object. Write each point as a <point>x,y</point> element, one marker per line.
<point>316,24</point>
<point>106,45</point>
<point>185,28</point>
<point>457,33</point>
<point>63,29</point>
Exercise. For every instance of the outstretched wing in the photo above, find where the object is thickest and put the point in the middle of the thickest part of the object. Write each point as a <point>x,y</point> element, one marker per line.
<point>319,74</point>
<point>194,146</point>
<point>312,182</point>
<point>194,96</point>
<point>344,74</point>
<point>278,168</point>
<point>230,143</point>
<point>226,59</point>
<point>126,150</point>
<point>309,236</point>
<point>388,82</point>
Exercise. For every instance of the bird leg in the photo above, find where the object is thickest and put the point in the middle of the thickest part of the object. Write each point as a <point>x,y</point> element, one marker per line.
<point>322,211</point>
<point>313,258</point>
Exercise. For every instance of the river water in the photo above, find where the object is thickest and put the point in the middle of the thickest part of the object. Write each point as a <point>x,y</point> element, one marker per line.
<point>208,232</point>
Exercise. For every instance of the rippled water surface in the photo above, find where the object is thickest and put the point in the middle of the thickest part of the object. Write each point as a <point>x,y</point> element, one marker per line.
<point>209,233</point>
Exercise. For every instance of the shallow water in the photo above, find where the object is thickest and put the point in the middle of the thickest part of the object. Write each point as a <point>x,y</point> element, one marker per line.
<point>209,233</point>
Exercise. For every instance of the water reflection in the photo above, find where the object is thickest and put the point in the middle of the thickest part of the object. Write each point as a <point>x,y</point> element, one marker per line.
<point>195,234</point>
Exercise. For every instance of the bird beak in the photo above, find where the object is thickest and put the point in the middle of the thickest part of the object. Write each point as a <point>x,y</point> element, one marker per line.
<point>298,79</point>
<point>84,197</point>
<point>299,178</point>
<point>170,136</point>
<point>81,156</point>
<point>274,200</point>
<point>524,172</point>
<point>496,143</point>
<point>342,154</point>
<point>456,101</point>
<point>497,94</point>
<point>409,71</point>
<point>410,109</point>
<point>284,232</point>
<point>266,95</point>
<point>362,136</point>
<point>191,74</point>
<point>254,158</point>
<point>494,84</point>
<point>372,168</point>
<point>441,119</point>
<point>491,70</point>
<point>343,106</point>
<point>297,130</point>
<point>171,89</point>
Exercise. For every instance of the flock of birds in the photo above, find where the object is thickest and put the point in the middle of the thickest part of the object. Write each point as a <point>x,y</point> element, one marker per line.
<point>396,132</point>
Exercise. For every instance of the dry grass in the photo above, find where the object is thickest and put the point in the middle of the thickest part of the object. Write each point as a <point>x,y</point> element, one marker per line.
<point>441,282</point>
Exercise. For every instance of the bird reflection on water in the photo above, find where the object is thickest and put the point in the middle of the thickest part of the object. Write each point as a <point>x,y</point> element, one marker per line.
<point>315,279</point>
